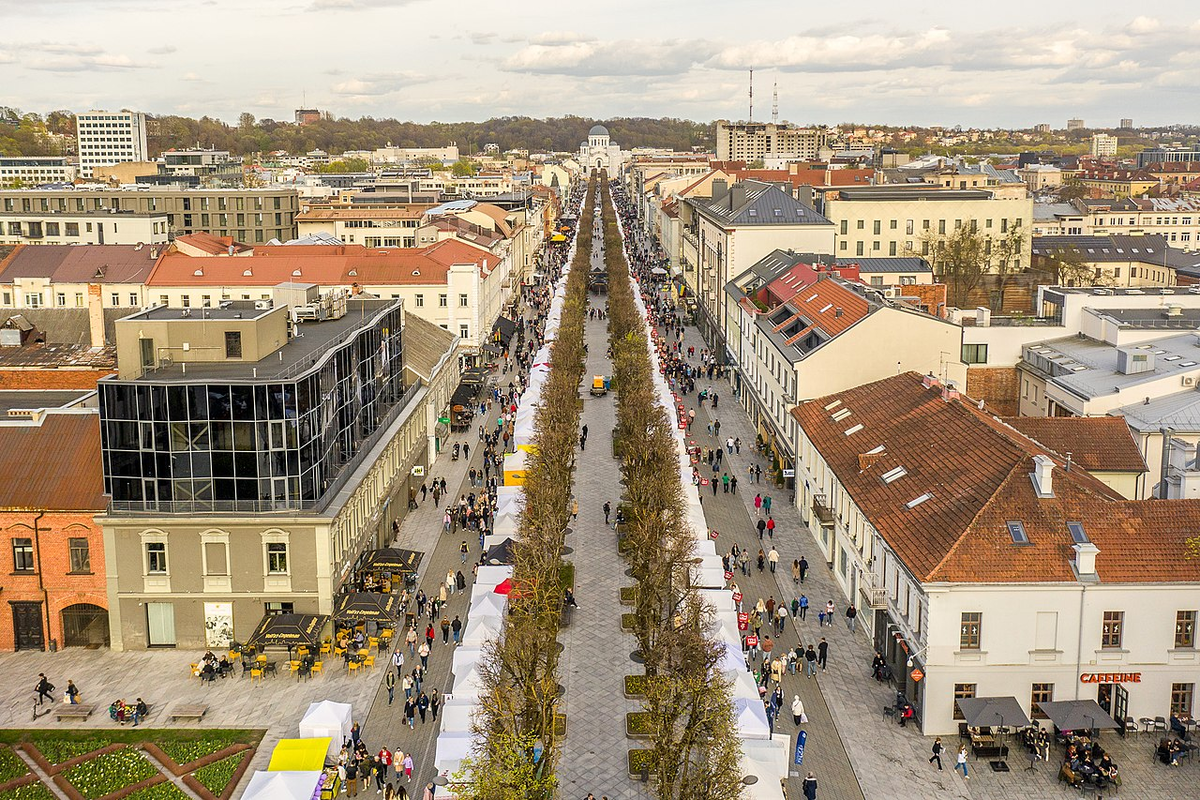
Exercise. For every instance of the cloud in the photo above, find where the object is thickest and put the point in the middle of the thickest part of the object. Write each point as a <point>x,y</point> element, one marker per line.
<point>561,37</point>
<point>162,50</point>
<point>614,58</point>
<point>356,5</point>
<point>376,85</point>
<point>103,62</point>
<point>483,38</point>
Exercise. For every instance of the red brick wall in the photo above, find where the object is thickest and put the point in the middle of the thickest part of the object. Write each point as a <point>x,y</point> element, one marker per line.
<point>51,378</point>
<point>61,588</point>
<point>999,387</point>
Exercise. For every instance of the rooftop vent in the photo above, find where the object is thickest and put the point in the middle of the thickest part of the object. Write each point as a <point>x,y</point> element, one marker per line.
<point>1043,476</point>
<point>1085,558</point>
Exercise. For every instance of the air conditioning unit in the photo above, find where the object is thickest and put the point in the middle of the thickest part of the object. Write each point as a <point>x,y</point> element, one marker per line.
<point>1189,381</point>
<point>262,305</point>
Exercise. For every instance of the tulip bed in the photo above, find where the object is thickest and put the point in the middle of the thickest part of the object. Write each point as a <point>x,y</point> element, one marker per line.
<point>11,765</point>
<point>107,773</point>
<point>216,776</point>
<point>30,791</point>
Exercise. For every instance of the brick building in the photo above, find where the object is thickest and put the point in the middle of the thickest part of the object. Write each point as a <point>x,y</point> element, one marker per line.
<point>55,589</point>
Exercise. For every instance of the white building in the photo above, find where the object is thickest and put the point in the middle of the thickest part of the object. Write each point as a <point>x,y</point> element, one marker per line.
<point>600,153</point>
<point>1104,145</point>
<point>34,170</point>
<point>753,141</point>
<point>89,227</point>
<point>979,557</point>
<point>110,137</point>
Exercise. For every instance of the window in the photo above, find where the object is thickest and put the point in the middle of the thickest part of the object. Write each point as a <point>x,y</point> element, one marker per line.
<point>975,353</point>
<point>1041,693</point>
<point>858,248</point>
<point>277,558</point>
<point>1181,698</point>
<point>962,691</point>
<point>875,228</point>
<point>464,332</point>
<point>1110,630</point>
<point>233,344</point>
<point>462,301</point>
<point>60,299</point>
<point>968,637</point>
<point>275,609</point>
<point>420,301</point>
<point>877,280</point>
<point>33,300</point>
<point>133,299</point>
<point>80,556</point>
<point>442,301</point>
<point>1185,629</point>
<point>22,555</point>
<point>156,558</point>
<point>845,226</point>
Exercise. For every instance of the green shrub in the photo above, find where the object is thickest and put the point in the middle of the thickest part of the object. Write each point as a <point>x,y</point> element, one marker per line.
<point>216,776</point>
<point>636,684</point>
<point>11,765</point>
<point>628,595</point>
<point>185,751</point>
<point>640,759</point>
<point>628,621</point>
<point>105,774</point>
<point>638,723</point>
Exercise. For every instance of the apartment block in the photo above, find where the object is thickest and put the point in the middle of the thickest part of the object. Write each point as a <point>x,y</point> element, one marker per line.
<point>34,170</point>
<point>751,141</point>
<point>110,137</point>
<point>97,227</point>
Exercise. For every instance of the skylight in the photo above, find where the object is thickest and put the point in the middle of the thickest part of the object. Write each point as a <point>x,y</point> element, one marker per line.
<point>826,308</point>
<point>916,501</point>
<point>1078,534</point>
<point>1016,529</point>
<point>893,474</point>
<point>854,429</point>
<point>874,450</point>
<point>809,300</point>
<point>840,414</point>
<point>833,405</point>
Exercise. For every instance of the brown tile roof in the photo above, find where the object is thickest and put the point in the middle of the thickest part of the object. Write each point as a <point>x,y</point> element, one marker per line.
<point>213,245</point>
<point>54,465</point>
<point>976,468</point>
<point>827,304</point>
<point>80,263</point>
<point>1102,444</point>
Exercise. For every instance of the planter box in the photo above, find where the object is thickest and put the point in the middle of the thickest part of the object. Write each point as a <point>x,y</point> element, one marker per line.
<point>634,687</point>
<point>627,595</point>
<point>628,622</point>
<point>633,721</point>
<point>636,760</point>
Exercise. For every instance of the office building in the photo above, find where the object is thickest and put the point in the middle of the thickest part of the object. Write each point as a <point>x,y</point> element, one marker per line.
<point>1104,145</point>
<point>754,141</point>
<point>1160,155</point>
<point>307,116</point>
<point>252,459</point>
<point>16,171</point>
<point>110,137</point>
<point>1075,124</point>
<point>248,215</point>
<point>94,227</point>
<point>1126,124</point>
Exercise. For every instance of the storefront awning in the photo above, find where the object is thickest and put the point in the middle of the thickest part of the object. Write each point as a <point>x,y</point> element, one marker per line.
<point>374,606</point>
<point>992,712</point>
<point>1077,715</point>
<point>392,559</point>
<point>288,630</point>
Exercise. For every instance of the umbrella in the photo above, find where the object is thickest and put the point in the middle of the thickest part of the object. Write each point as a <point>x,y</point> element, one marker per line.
<point>992,712</point>
<point>288,630</point>
<point>501,553</point>
<point>366,605</point>
<point>393,559</point>
<point>658,271</point>
<point>1075,715</point>
<point>504,587</point>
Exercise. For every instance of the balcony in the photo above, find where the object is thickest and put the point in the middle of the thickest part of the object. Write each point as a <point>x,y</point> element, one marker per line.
<point>822,510</point>
<point>873,591</point>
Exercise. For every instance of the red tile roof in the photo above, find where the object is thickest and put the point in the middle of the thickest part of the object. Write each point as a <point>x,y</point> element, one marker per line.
<point>325,265</point>
<point>213,245</point>
<point>827,304</point>
<point>80,263</point>
<point>975,469</point>
<point>53,466</point>
<point>1102,444</point>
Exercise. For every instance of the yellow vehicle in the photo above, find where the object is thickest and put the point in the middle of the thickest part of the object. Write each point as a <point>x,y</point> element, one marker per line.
<point>599,385</point>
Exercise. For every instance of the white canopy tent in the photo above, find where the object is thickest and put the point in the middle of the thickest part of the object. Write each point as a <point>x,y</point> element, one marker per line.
<point>457,715</point>
<point>265,785</point>
<point>488,604</point>
<point>708,577</point>
<point>452,748</point>
<point>480,631</point>
<point>492,575</point>
<point>750,716</point>
<point>769,761</point>
<point>327,718</point>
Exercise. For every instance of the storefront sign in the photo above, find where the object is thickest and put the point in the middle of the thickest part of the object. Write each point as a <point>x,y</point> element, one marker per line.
<point>418,471</point>
<point>1111,677</point>
<point>789,473</point>
<point>917,674</point>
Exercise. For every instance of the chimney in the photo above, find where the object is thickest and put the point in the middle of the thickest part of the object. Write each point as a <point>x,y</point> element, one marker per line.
<point>1085,558</point>
<point>983,317</point>
<point>1043,476</point>
<point>737,195</point>
<point>950,392</point>
<point>930,382</point>
<point>95,315</point>
<point>719,189</point>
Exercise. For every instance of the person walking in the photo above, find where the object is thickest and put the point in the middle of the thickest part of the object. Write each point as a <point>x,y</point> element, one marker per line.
<point>44,688</point>
<point>938,749</point>
<point>798,716</point>
<point>72,693</point>
<point>795,572</point>
<point>445,626</point>
<point>810,661</point>
<point>810,787</point>
<point>781,615</point>
<point>464,550</point>
<point>773,558</point>
<point>803,568</point>
<point>423,652</point>
<point>384,759</point>
<point>822,653</point>
<point>829,613</point>
<point>423,706</point>
<point>607,511</point>
<point>758,503</point>
<point>574,508</point>
<point>770,526</point>
<point>762,528</point>
<point>804,606</point>
<point>456,628</point>
<point>851,617</point>
<point>435,702</point>
<point>766,501</point>
<point>398,661</point>
<point>390,682</point>
<point>408,766</point>
<point>961,762</point>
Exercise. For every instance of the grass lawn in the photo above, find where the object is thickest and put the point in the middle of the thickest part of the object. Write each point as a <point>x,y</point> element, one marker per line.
<point>182,745</point>
<point>216,776</point>
<point>30,791</point>
<point>105,774</point>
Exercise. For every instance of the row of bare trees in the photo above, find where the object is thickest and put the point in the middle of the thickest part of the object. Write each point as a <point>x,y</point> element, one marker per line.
<point>516,726</point>
<point>695,751</point>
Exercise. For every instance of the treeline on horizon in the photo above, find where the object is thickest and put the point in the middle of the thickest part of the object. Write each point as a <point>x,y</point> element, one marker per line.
<point>22,135</point>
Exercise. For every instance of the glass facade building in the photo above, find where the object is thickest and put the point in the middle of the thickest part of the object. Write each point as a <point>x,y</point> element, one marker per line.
<point>185,442</point>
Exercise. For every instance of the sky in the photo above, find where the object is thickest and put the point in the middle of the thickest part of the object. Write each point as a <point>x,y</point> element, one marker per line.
<point>895,62</point>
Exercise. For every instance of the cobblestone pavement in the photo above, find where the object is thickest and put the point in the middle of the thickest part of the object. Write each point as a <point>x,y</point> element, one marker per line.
<point>888,761</point>
<point>596,650</point>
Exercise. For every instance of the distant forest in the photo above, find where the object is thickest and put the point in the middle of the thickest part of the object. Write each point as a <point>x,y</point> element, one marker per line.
<point>22,134</point>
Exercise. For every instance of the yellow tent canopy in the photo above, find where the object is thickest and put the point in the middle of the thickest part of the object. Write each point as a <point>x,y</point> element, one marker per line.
<point>299,755</point>
<point>558,237</point>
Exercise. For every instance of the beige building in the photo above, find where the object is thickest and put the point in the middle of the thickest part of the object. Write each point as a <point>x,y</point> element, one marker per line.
<point>33,170</point>
<point>95,227</point>
<point>754,141</point>
<point>248,215</point>
<point>889,221</point>
<point>258,517</point>
<point>65,276</point>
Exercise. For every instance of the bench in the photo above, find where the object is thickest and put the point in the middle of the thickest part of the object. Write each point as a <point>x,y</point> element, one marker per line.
<point>74,711</point>
<point>193,711</point>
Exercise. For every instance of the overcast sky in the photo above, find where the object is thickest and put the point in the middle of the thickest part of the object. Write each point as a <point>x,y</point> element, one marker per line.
<point>1014,63</point>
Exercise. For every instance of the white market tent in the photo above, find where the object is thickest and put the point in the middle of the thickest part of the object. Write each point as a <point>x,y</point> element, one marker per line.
<point>452,748</point>
<point>751,719</point>
<point>327,718</point>
<point>768,761</point>
<point>480,631</point>
<point>488,604</point>
<point>490,576</point>
<point>282,785</point>
<point>457,716</point>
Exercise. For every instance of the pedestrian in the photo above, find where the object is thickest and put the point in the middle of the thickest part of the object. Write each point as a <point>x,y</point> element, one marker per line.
<point>44,688</point>
<point>464,550</point>
<point>766,497</point>
<point>820,619</point>
<point>72,693</point>
<point>607,511</point>
<point>445,626</point>
<point>398,661</point>
<point>822,653</point>
<point>408,766</point>
<point>428,794</point>
<point>851,617</point>
<point>962,762</point>
<point>781,615</point>
<point>803,568</point>
<point>435,702</point>
<point>574,508</point>
<point>423,706</point>
<point>758,503</point>
<point>829,613</point>
<point>938,749</point>
<point>352,778</point>
<point>737,445</point>
<point>390,682</point>
<point>770,526</point>
<point>729,445</point>
<point>762,528</point>
<point>795,572</point>
<point>384,759</point>
<point>456,628</point>
<point>407,685</point>
<point>773,558</point>
<point>810,661</point>
<point>762,559</point>
<point>411,639</point>
<point>798,716</point>
<point>423,652</point>
<point>810,787</point>
<point>725,482</point>
<point>410,710</point>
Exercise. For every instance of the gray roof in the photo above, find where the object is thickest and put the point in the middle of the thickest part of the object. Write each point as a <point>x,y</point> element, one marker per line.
<point>41,398</point>
<point>1152,249</point>
<point>1087,368</point>
<point>425,344</point>
<point>1179,411</point>
<point>894,192</point>
<point>764,204</point>
<point>886,264</point>
<point>70,325</point>
<point>598,130</point>
<point>1048,211</point>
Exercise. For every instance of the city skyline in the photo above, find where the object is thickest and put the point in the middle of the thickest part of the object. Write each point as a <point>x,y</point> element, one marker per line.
<point>931,66</point>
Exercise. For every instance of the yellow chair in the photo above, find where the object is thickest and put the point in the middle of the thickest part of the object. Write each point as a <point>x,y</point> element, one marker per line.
<point>318,666</point>
<point>195,669</point>
<point>364,652</point>
<point>387,633</point>
<point>256,672</point>
<point>262,659</point>
<point>369,662</point>
<point>339,651</point>
<point>353,667</point>
<point>373,641</point>
<point>302,650</point>
<point>294,666</point>
<point>326,648</point>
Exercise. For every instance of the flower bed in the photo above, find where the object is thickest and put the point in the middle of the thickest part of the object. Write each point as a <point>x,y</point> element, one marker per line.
<point>59,748</point>
<point>216,776</point>
<point>640,760</point>
<point>159,791</point>
<point>110,772</point>
<point>29,791</point>
<point>637,725</point>
<point>11,765</point>
<point>183,751</point>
